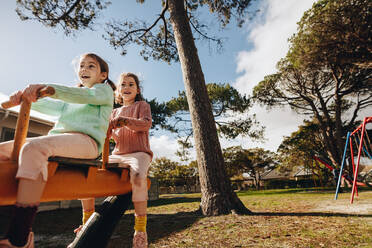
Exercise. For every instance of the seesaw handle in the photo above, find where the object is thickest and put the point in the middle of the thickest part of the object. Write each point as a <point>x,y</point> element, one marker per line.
<point>106,147</point>
<point>46,91</point>
<point>23,121</point>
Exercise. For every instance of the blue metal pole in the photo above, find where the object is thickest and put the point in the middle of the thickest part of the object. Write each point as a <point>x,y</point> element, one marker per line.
<point>342,165</point>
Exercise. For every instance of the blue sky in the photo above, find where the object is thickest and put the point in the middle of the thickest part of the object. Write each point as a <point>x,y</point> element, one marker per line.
<point>33,53</point>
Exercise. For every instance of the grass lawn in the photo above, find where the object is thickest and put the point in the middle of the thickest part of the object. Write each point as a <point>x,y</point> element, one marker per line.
<point>281,218</point>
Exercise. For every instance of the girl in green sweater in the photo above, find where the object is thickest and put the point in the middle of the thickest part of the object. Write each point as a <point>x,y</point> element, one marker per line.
<point>83,117</point>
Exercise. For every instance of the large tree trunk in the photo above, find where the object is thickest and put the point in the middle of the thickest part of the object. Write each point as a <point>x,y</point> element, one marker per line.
<point>217,194</point>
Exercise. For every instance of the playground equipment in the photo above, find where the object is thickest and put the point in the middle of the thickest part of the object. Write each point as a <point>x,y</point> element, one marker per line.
<point>69,179</point>
<point>344,175</point>
<point>363,144</point>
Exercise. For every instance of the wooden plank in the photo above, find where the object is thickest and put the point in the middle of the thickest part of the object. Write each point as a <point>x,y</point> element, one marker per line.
<point>81,162</point>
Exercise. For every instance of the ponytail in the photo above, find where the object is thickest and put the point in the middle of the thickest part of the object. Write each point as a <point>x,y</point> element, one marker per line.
<point>109,82</point>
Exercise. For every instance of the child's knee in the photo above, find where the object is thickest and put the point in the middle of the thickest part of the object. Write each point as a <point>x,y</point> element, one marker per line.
<point>139,187</point>
<point>4,157</point>
<point>34,149</point>
<point>138,181</point>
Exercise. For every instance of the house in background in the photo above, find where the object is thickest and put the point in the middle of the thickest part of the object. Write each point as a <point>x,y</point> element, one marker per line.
<point>8,121</point>
<point>298,177</point>
<point>39,124</point>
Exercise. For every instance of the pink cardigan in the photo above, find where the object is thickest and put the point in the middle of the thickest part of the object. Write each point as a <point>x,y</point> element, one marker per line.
<point>134,137</point>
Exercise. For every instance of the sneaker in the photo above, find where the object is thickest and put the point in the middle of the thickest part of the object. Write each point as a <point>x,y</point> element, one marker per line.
<point>140,240</point>
<point>30,243</point>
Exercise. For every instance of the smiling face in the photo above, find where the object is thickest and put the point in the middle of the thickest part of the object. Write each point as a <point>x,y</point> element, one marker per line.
<point>128,90</point>
<point>90,72</point>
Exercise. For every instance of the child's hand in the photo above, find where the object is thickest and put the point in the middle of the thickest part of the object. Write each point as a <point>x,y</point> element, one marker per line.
<point>30,93</point>
<point>112,125</point>
<point>117,122</point>
<point>109,129</point>
<point>16,98</point>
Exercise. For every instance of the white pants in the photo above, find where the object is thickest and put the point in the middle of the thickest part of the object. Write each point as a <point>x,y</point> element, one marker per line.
<point>138,163</point>
<point>34,154</point>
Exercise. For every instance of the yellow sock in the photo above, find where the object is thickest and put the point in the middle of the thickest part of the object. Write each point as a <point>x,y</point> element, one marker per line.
<point>86,215</point>
<point>140,223</point>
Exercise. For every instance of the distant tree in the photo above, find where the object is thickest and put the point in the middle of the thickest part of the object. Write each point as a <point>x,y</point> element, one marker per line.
<point>254,162</point>
<point>319,77</point>
<point>168,39</point>
<point>163,169</point>
<point>227,104</point>
<point>171,173</point>
<point>235,160</point>
<point>334,34</point>
<point>160,114</point>
<point>300,147</point>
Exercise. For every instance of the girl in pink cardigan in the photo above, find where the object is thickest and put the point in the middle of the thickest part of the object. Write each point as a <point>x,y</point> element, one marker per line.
<point>132,150</point>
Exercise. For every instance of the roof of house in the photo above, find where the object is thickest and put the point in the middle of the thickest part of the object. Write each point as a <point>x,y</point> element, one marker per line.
<point>272,174</point>
<point>276,174</point>
<point>34,115</point>
<point>302,172</point>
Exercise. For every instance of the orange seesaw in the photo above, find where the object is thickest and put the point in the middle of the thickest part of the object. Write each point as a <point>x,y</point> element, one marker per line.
<point>68,178</point>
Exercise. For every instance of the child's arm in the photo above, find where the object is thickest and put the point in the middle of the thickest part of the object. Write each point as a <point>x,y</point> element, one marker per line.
<point>48,106</point>
<point>112,124</point>
<point>143,123</point>
<point>99,94</point>
<point>43,105</point>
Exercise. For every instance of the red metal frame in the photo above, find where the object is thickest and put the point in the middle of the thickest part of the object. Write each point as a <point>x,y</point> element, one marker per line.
<point>331,168</point>
<point>363,128</point>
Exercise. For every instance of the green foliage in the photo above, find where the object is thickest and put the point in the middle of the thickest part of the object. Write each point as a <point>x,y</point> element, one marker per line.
<point>156,39</point>
<point>225,9</point>
<point>229,110</point>
<point>299,148</point>
<point>254,161</point>
<point>71,15</point>
<point>159,113</point>
<point>170,173</point>
<point>323,76</point>
<point>334,33</point>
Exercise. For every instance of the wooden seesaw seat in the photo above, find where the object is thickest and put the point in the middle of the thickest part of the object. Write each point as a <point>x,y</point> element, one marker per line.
<point>67,178</point>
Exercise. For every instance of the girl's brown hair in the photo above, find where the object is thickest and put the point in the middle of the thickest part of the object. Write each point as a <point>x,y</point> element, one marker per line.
<point>103,67</point>
<point>118,97</point>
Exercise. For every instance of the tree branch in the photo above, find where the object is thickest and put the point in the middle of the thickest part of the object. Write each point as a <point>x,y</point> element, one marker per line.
<point>68,11</point>
<point>161,17</point>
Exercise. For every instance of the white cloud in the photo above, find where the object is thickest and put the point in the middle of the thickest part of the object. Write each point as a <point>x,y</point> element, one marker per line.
<point>270,43</point>
<point>164,146</point>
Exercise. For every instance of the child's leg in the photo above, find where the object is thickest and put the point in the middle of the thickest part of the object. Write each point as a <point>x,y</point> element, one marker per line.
<point>139,164</point>
<point>139,198</point>
<point>140,216</point>
<point>6,149</point>
<point>24,212</point>
<point>33,173</point>
<point>88,208</point>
